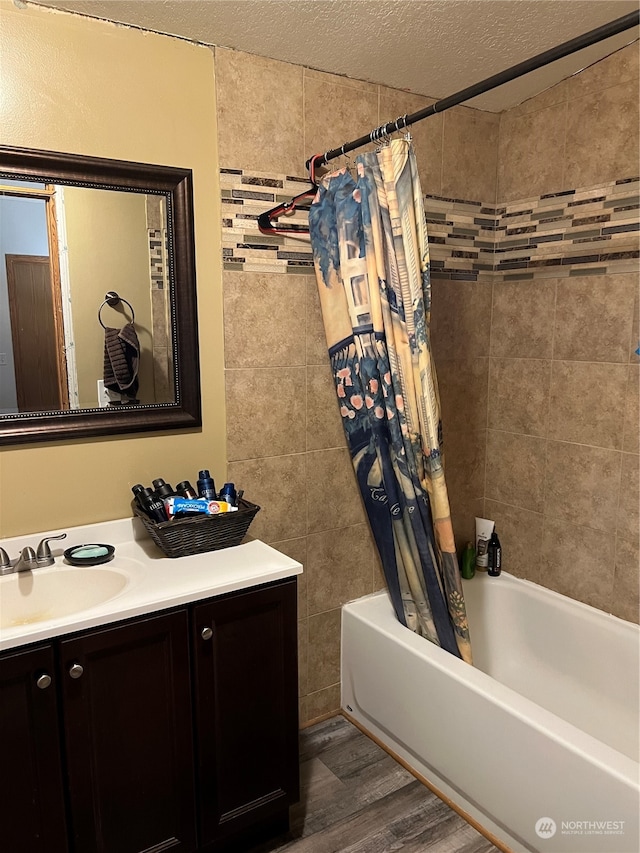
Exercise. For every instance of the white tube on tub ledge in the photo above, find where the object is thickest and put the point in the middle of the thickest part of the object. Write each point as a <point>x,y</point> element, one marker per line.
<point>484,529</point>
<point>543,726</point>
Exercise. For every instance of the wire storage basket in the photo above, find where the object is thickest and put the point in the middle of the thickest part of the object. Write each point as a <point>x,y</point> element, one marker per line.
<point>200,533</point>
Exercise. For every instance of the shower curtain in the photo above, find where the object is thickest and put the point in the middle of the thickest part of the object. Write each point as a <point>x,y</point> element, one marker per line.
<point>371,259</point>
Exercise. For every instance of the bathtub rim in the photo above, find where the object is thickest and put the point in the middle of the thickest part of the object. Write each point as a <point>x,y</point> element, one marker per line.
<point>563,601</point>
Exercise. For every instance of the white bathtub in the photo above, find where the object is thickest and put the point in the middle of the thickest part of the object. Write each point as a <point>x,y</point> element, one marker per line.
<point>545,725</point>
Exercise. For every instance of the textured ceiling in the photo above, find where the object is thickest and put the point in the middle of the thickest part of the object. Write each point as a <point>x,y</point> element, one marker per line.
<point>432,47</point>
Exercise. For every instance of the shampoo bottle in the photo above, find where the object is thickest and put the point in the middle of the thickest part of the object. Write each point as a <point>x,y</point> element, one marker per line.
<point>494,552</point>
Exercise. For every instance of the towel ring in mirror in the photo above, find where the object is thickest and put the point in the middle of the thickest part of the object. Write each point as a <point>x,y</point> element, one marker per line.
<point>113,300</point>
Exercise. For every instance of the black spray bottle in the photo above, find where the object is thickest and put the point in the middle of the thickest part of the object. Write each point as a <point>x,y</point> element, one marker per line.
<point>151,504</point>
<point>163,490</point>
<point>494,552</point>
<point>186,490</point>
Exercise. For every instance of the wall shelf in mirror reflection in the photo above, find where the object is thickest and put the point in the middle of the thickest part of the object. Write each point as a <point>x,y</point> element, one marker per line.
<point>73,228</point>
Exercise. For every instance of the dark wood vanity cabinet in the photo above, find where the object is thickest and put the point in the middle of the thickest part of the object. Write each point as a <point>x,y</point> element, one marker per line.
<point>32,808</point>
<point>246,712</point>
<point>126,697</point>
<point>138,727</point>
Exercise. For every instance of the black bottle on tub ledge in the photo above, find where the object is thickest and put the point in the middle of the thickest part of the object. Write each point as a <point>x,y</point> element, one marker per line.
<point>494,552</point>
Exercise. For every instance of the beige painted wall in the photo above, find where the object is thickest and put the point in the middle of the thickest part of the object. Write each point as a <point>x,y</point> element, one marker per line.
<point>108,250</point>
<point>90,87</point>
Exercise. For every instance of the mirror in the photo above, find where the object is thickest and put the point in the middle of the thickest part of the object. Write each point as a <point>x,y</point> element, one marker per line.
<point>98,315</point>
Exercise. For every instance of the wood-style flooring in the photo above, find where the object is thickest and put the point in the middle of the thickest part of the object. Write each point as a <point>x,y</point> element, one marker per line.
<point>355,798</point>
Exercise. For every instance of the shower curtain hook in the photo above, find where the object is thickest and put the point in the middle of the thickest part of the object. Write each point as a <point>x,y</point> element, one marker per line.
<point>400,123</point>
<point>381,137</point>
<point>313,162</point>
<point>407,133</point>
<point>346,156</point>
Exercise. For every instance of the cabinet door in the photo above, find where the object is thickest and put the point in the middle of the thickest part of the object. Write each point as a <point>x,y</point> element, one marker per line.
<point>128,731</point>
<point>246,709</point>
<point>32,811</point>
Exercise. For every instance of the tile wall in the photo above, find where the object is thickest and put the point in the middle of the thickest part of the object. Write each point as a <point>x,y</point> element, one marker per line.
<point>535,356</point>
<point>285,441</point>
<point>561,464</point>
<point>158,272</point>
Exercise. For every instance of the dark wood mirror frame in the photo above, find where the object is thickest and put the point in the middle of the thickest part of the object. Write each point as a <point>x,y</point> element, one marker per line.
<point>176,186</point>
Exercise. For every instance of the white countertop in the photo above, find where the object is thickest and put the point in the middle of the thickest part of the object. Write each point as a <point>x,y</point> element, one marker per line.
<point>153,582</point>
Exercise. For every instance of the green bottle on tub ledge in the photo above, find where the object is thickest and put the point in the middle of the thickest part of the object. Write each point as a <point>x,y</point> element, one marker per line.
<point>468,568</point>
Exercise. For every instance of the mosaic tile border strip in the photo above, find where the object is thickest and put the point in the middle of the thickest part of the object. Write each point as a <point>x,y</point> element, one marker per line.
<point>587,230</point>
<point>576,232</point>
<point>157,240</point>
<point>244,197</point>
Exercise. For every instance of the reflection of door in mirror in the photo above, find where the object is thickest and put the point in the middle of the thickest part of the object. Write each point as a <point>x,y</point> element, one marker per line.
<point>93,241</point>
<point>34,335</point>
<point>33,373</point>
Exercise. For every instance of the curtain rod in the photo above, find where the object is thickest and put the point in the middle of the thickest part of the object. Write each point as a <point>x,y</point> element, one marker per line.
<point>592,37</point>
<point>266,220</point>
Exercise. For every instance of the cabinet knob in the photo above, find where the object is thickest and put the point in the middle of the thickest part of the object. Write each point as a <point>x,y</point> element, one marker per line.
<point>75,671</point>
<point>206,633</point>
<point>43,680</point>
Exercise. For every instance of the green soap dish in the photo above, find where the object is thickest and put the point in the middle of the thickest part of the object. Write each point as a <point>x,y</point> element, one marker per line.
<point>89,555</point>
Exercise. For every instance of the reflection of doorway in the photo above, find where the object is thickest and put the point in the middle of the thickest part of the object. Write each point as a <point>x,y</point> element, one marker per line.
<point>41,381</point>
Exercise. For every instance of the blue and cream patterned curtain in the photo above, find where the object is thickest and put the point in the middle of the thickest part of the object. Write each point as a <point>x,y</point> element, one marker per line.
<point>371,258</point>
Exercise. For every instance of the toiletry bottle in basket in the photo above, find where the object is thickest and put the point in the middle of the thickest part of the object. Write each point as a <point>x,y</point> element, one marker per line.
<point>228,493</point>
<point>152,505</point>
<point>186,490</point>
<point>205,485</point>
<point>163,490</point>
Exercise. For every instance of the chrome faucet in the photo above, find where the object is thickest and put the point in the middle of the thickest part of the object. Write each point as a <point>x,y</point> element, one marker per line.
<point>26,561</point>
<point>29,559</point>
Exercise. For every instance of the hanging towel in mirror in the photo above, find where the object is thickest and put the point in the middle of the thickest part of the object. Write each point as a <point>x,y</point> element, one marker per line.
<point>121,360</point>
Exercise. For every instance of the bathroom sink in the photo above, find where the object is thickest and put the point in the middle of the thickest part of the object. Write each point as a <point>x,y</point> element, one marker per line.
<point>46,594</point>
